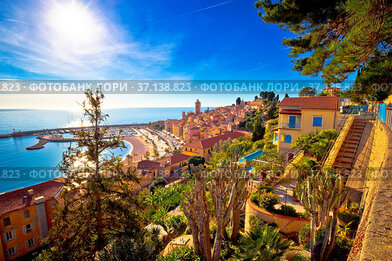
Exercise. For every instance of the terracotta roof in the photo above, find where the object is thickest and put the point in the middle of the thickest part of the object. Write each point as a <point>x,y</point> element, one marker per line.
<point>290,111</point>
<point>176,158</point>
<point>14,200</point>
<point>147,164</point>
<point>210,142</point>
<point>322,102</point>
<point>173,159</point>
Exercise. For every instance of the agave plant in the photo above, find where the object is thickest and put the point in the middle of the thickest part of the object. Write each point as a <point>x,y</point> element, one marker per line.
<point>263,243</point>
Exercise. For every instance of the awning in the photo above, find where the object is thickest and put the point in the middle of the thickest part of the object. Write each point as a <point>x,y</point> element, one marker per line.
<point>290,111</point>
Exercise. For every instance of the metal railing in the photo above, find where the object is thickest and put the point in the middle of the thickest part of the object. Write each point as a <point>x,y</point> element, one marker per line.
<point>289,125</point>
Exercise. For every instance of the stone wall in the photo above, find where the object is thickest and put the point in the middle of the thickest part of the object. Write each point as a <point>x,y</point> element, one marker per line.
<point>287,225</point>
<point>374,235</point>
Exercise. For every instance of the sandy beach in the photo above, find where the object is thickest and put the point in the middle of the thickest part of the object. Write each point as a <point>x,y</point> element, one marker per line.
<point>139,147</point>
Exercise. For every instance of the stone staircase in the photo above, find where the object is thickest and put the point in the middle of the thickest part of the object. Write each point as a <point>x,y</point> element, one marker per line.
<point>347,154</point>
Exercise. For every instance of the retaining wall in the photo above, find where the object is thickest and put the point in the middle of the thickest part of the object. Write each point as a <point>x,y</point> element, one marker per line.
<point>287,225</point>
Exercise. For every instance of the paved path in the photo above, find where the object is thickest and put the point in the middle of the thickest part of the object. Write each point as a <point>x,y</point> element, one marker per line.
<point>285,193</point>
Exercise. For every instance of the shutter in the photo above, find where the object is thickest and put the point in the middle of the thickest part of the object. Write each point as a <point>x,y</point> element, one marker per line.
<point>27,243</point>
<point>13,234</point>
<point>33,226</point>
<point>24,230</point>
<point>16,248</point>
<point>34,240</point>
<point>4,238</point>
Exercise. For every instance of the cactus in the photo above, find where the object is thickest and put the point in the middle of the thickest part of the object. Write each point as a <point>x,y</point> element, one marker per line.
<point>228,192</point>
<point>322,195</point>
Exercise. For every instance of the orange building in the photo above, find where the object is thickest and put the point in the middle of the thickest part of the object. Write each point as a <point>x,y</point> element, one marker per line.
<point>174,163</point>
<point>26,217</point>
<point>193,134</point>
<point>204,147</point>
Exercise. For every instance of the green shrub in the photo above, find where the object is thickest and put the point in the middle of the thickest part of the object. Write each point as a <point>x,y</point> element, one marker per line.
<point>196,161</point>
<point>304,236</point>
<point>256,222</point>
<point>175,224</point>
<point>268,200</point>
<point>348,216</point>
<point>287,210</point>
<point>255,198</point>
<point>262,243</point>
<point>265,188</point>
<point>180,253</point>
<point>158,182</point>
<point>304,214</point>
<point>268,181</point>
<point>354,207</point>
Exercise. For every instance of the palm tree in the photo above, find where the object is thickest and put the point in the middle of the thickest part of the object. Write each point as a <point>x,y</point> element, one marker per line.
<point>264,243</point>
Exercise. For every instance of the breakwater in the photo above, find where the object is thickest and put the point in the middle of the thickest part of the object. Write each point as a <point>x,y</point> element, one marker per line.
<point>66,130</point>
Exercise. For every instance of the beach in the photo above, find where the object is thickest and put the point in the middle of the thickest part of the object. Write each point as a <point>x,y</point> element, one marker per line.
<point>139,148</point>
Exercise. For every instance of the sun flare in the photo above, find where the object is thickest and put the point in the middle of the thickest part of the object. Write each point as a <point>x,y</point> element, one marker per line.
<point>73,26</point>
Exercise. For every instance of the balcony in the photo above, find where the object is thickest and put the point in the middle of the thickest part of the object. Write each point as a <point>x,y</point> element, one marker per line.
<point>289,125</point>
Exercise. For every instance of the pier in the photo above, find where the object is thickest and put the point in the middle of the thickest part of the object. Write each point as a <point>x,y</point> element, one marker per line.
<point>39,145</point>
<point>66,130</point>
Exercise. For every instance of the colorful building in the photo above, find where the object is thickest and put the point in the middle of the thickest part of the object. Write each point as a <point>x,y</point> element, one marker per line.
<point>173,164</point>
<point>26,217</point>
<point>204,147</point>
<point>304,115</point>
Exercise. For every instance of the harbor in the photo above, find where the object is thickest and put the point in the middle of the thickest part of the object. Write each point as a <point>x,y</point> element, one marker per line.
<point>65,130</point>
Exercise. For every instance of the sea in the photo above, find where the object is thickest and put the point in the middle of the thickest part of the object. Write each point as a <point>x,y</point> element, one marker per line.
<point>22,168</point>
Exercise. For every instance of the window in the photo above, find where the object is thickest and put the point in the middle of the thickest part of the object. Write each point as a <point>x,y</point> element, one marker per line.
<point>7,221</point>
<point>29,243</point>
<point>26,213</point>
<point>292,121</point>
<point>8,236</point>
<point>288,139</point>
<point>317,121</point>
<point>12,250</point>
<point>28,228</point>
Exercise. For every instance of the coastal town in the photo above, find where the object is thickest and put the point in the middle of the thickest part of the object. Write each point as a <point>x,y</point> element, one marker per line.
<point>171,169</point>
<point>162,152</point>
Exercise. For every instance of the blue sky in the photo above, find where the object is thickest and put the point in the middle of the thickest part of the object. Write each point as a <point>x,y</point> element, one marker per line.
<point>129,39</point>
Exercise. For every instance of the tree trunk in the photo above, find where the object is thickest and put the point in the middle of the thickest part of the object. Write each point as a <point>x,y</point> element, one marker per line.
<point>333,238</point>
<point>236,224</point>
<point>100,239</point>
<point>313,254</point>
<point>203,218</point>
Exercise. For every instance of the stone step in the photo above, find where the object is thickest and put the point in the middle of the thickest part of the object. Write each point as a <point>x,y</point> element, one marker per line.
<point>350,142</point>
<point>342,166</point>
<point>346,154</point>
<point>346,149</point>
<point>344,160</point>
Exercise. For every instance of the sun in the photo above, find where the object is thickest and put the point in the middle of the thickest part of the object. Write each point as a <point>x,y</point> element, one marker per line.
<point>73,26</point>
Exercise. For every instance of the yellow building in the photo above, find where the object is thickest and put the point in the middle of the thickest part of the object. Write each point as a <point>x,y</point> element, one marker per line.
<point>304,115</point>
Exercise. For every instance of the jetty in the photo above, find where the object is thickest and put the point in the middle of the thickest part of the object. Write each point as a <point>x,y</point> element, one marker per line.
<point>66,130</point>
<point>39,145</point>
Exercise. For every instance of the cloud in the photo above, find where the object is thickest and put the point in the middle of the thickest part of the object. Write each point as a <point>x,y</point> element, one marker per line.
<point>75,42</point>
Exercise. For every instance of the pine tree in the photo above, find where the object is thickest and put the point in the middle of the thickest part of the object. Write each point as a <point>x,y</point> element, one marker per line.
<point>333,38</point>
<point>98,200</point>
<point>258,130</point>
